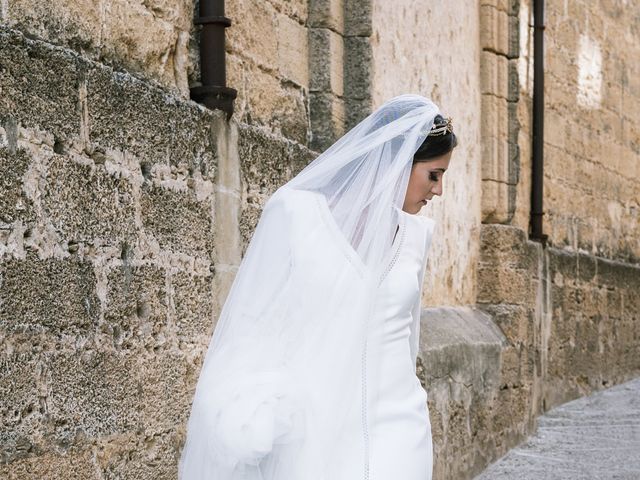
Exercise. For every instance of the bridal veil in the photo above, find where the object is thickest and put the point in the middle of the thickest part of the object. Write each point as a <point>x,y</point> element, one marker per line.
<point>291,348</point>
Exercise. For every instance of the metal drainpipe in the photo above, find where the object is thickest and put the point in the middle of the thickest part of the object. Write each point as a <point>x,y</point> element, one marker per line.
<point>213,92</point>
<point>537,176</point>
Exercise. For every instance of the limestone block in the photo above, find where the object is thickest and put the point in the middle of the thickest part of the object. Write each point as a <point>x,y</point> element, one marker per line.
<point>136,307</point>
<point>14,203</point>
<point>326,60</point>
<point>296,9</point>
<point>357,18</point>
<point>328,120</point>
<point>494,30</point>
<point>253,32</point>
<point>495,201</point>
<point>38,85</point>
<point>357,68</point>
<point>327,14</point>
<point>516,322</point>
<point>85,203</point>
<point>494,72</point>
<point>513,86</point>
<point>193,304</point>
<point>127,28</point>
<point>139,456</point>
<point>116,33</point>
<point>503,5</point>
<point>505,284</point>
<point>293,49</point>
<point>356,111</point>
<point>264,99</point>
<point>178,221</point>
<point>496,158</point>
<point>129,115</point>
<point>168,382</point>
<point>92,395</point>
<point>55,296</point>
<point>74,464</point>
<point>21,411</point>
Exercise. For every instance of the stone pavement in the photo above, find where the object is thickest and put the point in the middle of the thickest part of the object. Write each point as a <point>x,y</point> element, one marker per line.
<point>596,437</point>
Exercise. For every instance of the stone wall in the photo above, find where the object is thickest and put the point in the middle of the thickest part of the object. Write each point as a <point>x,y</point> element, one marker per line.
<point>126,209</point>
<point>421,47</point>
<point>549,326</point>
<point>116,32</point>
<point>123,216</point>
<point>592,128</point>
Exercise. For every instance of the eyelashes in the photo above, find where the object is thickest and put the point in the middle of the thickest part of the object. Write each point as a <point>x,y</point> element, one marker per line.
<point>433,176</point>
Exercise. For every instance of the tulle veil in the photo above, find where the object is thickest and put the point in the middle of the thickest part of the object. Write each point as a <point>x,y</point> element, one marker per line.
<point>291,348</point>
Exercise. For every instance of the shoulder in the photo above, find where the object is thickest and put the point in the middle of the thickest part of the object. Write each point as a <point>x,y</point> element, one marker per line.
<point>291,201</point>
<point>423,227</point>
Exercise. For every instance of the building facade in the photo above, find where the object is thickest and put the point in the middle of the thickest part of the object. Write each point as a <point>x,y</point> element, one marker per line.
<point>125,208</point>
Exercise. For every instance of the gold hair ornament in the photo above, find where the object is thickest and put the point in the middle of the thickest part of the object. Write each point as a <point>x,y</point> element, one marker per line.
<point>442,129</point>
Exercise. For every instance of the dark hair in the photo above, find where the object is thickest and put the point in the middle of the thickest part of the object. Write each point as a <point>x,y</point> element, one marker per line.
<point>436,145</point>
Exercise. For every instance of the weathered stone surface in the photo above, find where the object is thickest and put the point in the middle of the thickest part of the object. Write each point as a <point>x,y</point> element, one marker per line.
<point>52,295</point>
<point>116,33</point>
<point>136,307</point>
<point>139,457</point>
<point>593,437</point>
<point>14,203</point>
<point>85,203</point>
<point>328,14</point>
<point>21,410</point>
<point>326,61</point>
<point>90,395</point>
<point>73,464</point>
<point>328,120</point>
<point>193,303</point>
<point>459,365</point>
<point>129,115</point>
<point>166,379</point>
<point>178,220</point>
<point>39,85</point>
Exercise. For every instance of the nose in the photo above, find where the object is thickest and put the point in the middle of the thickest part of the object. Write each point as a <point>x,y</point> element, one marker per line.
<point>437,188</point>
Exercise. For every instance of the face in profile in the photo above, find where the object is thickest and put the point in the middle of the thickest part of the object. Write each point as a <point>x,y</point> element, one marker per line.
<point>425,182</point>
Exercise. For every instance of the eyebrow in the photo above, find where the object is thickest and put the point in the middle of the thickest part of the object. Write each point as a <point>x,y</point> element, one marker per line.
<point>441,169</point>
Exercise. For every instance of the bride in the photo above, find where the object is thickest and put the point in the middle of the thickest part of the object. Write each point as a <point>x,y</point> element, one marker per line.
<point>310,372</point>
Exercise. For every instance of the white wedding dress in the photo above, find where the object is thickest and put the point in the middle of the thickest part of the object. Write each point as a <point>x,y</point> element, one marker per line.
<point>399,442</point>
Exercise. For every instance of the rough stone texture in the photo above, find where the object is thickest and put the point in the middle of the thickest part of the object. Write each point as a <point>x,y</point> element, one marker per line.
<point>594,332</point>
<point>84,202</point>
<point>14,204</point>
<point>53,296</point>
<point>126,114</point>
<point>268,64</point>
<point>106,256</point>
<point>459,366</point>
<point>115,32</point>
<point>193,313</point>
<point>570,324</point>
<point>125,210</point>
<point>178,221</point>
<point>591,192</point>
<point>31,94</point>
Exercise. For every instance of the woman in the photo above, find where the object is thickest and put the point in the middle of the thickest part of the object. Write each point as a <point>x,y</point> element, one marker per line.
<point>310,373</point>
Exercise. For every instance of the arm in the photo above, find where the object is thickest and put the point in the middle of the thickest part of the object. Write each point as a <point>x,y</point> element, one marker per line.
<point>414,338</point>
